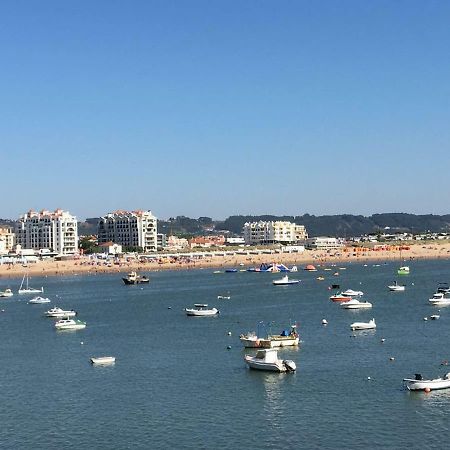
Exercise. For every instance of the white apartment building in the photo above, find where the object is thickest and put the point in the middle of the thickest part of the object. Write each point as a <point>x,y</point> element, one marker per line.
<point>7,240</point>
<point>130,229</point>
<point>56,231</point>
<point>273,232</point>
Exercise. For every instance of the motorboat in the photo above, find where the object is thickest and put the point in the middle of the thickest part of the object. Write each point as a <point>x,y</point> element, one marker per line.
<point>224,297</point>
<point>59,313</point>
<point>27,289</point>
<point>267,359</point>
<point>355,304</point>
<point>6,293</point>
<point>352,293</point>
<point>70,324</point>
<point>403,270</point>
<point>284,281</point>
<point>395,287</point>
<point>435,316</point>
<point>103,360</point>
<point>39,300</point>
<point>340,297</point>
<point>200,309</point>
<point>443,287</point>
<point>439,299</point>
<point>286,338</point>
<point>231,270</point>
<point>135,278</point>
<point>363,325</point>
<point>419,384</point>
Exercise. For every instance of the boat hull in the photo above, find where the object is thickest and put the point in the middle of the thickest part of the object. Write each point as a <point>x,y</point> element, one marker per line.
<point>421,385</point>
<point>261,365</point>
<point>206,313</point>
<point>361,305</point>
<point>103,360</point>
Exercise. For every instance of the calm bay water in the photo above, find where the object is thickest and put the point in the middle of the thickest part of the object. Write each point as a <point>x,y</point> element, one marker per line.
<point>176,385</point>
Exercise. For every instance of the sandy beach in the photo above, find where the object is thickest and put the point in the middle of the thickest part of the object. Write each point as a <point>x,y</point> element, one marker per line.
<point>88,265</point>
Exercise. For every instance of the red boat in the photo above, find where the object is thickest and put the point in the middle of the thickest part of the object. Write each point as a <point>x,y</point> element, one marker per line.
<point>340,298</point>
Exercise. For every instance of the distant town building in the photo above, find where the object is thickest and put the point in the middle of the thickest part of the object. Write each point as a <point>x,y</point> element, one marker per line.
<point>273,233</point>
<point>323,243</point>
<point>130,229</point>
<point>176,243</point>
<point>207,241</point>
<point>56,231</point>
<point>7,240</point>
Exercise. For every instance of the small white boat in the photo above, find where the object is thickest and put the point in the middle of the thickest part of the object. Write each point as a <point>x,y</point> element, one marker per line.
<point>6,293</point>
<point>39,300</point>
<point>370,325</point>
<point>435,316</point>
<point>355,304</point>
<point>439,299</point>
<point>403,270</point>
<point>59,313</point>
<point>200,309</point>
<point>352,293</point>
<point>268,360</point>
<point>69,324</point>
<point>419,384</point>
<point>395,287</point>
<point>27,289</point>
<point>284,281</point>
<point>103,360</point>
<point>224,297</point>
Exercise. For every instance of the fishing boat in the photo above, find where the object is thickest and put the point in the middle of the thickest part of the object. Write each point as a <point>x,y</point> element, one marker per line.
<point>267,359</point>
<point>39,300</point>
<point>6,293</point>
<point>200,309</point>
<point>356,304</point>
<point>419,384</point>
<point>70,324</point>
<point>403,270</point>
<point>284,281</point>
<point>27,289</point>
<point>135,278</point>
<point>286,338</point>
<point>395,287</point>
<point>59,313</point>
<point>103,360</point>
<point>370,325</point>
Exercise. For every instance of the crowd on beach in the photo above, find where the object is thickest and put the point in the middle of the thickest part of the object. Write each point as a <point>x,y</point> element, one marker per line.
<point>90,264</point>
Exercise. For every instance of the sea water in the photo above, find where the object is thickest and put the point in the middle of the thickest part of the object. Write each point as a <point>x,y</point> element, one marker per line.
<point>181,382</point>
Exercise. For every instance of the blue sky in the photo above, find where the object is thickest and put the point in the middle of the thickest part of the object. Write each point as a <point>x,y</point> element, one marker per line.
<point>225,107</point>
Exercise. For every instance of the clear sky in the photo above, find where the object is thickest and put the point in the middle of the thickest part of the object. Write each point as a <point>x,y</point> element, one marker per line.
<point>213,108</point>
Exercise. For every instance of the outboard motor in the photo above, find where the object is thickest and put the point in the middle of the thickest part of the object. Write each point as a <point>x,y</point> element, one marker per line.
<point>290,365</point>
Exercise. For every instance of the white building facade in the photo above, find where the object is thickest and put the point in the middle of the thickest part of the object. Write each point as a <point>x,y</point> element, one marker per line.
<point>56,231</point>
<point>7,240</point>
<point>273,233</point>
<point>130,229</point>
<point>323,243</point>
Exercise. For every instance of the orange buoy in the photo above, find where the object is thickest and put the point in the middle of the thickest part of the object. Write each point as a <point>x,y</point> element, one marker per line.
<point>427,389</point>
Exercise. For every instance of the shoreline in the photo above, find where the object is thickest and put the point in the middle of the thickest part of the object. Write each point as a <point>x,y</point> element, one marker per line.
<point>87,265</point>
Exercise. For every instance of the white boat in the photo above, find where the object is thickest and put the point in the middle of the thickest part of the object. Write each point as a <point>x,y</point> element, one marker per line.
<point>352,293</point>
<point>6,293</point>
<point>267,359</point>
<point>403,270</point>
<point>395,287</point>
<point>200,309</point>
<point>103,360</point>
<point>39,300</point>
<point>27,289</point>
<point>69,324</point>
<point>224,297</point>
<point>59,313</point>
<point>363,325</point>
<point>444,288</point>
<point>439,299</point>
<point>419,384</point>
<point>285,339</point>
<point>355,304</point>
<point>284,281</point>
